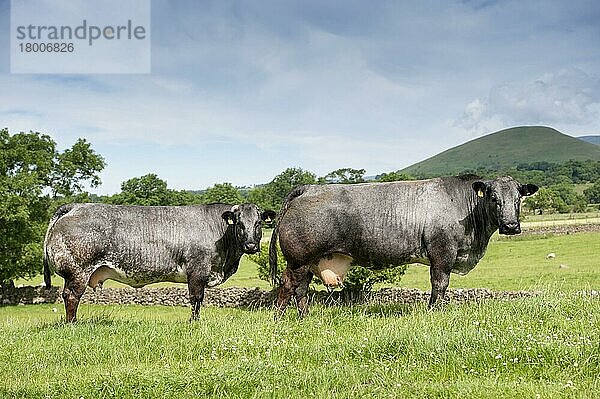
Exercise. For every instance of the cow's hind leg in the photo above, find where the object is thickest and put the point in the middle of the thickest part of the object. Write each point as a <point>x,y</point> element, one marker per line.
<point>72,292</point>
<point>302,293</point>
<point>290,282</point>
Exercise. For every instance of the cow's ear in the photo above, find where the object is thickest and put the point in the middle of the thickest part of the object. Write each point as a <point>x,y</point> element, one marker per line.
<point>528,189</point>
<point>268,216</point>
<point>229,217</point>
<point>480,188</point>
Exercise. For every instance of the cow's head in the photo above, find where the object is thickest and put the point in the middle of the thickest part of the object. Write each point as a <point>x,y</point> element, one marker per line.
<point>503,197</point>
<point>246,222</point>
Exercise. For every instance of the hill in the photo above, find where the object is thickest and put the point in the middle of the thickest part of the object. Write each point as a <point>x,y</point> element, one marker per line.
<point>507,148</point>
<point>590,139</point>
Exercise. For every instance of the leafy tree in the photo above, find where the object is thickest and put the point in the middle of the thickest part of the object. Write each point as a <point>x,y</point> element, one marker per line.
<point>271,195</point>
<point>344,175</point>
<point>145,190</point>
<point>33,174</point>
<point>569,200</point>
<point>261,258</point>
<point>394,176</point>
<point>150,190</point>
<point>593,193</point>
<point>544,200</point>
<point>224,193</point>
<point>260,196</point>
<point>75,166</point>
<point>361,280</point>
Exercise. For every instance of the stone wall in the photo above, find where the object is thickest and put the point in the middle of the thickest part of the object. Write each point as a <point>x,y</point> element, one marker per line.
<point>238,297</point>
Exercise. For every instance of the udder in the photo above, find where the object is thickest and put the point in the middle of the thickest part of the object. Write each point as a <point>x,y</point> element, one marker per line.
<point>332,269</point>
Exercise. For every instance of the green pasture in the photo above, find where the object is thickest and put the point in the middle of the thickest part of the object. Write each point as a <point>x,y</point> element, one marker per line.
<point>547,347</point>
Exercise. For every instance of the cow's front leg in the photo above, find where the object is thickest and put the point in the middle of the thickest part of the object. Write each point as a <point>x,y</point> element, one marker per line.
<point>440,278</point>
<point>441,257</point>
<point>196,286</point>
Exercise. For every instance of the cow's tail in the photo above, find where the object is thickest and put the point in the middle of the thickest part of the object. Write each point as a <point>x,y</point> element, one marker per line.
<point>60,212</point>
<point>295,193</point>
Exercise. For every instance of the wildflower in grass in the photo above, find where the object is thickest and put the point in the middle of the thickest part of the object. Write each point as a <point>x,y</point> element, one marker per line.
<point>499,356</point>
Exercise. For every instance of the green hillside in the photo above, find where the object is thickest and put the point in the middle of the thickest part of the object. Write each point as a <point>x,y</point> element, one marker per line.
<point>507,148</point>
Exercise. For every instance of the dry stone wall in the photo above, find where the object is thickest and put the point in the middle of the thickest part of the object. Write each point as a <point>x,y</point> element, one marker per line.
<point>238,297</point>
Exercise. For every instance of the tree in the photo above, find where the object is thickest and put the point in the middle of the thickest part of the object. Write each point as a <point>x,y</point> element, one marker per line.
<point>150,190</point>
<point>33,174</point>
<point>569,201</point>
<point>344,176</point>
<point>224,193</point>
<point>394,176</point>
<point>75,166</point>
<point>544,200</point>
<point>593,193</point>
<point>271,195</point>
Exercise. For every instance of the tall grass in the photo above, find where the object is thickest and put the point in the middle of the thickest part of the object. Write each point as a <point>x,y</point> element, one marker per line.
<point>546,347</point>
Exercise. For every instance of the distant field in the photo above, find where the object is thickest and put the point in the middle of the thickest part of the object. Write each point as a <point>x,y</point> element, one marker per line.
<point>560,219</point>
<point>592,217</point>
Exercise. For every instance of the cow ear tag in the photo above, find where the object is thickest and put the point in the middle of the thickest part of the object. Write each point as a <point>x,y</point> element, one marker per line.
<point>229,221</point>
<point>268,220</point>
<point>480,193</point>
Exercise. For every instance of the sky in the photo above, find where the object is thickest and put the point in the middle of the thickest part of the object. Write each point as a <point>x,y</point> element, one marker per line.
<point>241,90</point>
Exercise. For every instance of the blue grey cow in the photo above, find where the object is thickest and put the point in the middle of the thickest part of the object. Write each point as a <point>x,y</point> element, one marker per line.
<point>445,223</point>
<point>138,245</point>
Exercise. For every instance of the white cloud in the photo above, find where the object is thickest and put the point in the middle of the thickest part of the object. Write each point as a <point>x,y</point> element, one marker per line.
<point>569,97</point>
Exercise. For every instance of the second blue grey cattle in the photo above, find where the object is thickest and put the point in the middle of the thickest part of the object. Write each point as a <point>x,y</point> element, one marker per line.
<point>445,223</point>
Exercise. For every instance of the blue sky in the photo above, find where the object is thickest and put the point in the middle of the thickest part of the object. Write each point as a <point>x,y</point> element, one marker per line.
<point>241,90</point>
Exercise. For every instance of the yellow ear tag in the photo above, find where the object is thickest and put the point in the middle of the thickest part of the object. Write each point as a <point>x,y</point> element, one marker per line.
<point>480,193</point>
<point>230,221</point>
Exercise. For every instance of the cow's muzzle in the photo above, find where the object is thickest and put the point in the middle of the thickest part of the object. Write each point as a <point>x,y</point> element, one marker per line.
<point>251,248</point>
<point>510,228</point>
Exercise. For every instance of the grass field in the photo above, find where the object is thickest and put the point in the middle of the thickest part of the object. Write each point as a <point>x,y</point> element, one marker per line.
<point>547,347</point>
